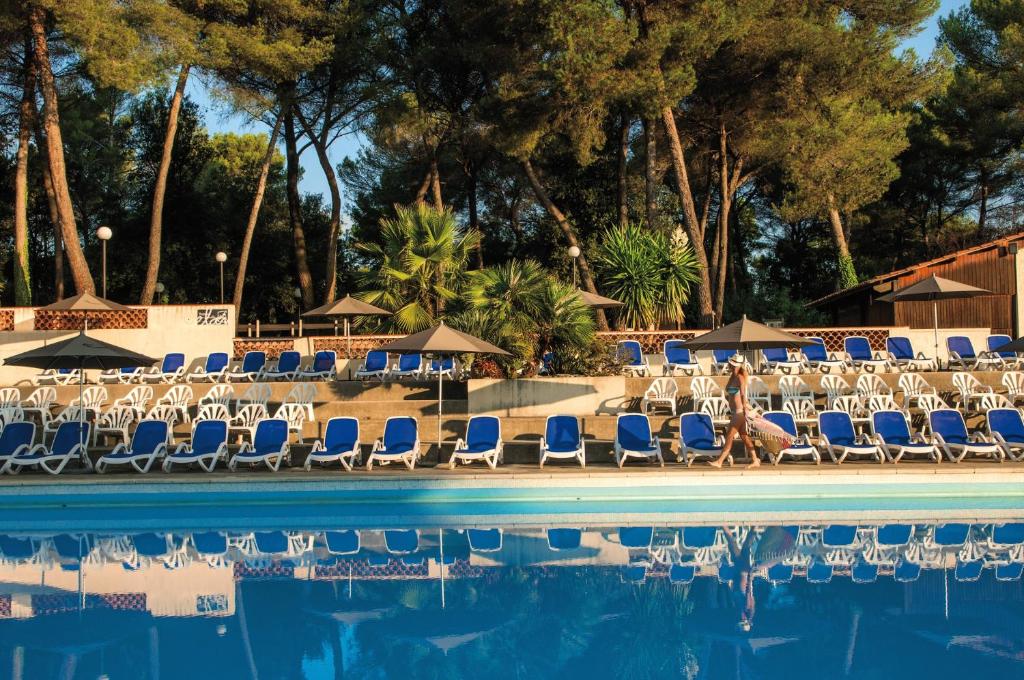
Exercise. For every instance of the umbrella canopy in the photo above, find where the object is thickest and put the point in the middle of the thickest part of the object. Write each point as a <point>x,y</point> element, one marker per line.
<point>1012,346</point>
<point>442,340</point>
<point>745,335</point>
<point>80,351</point>
<point>347,306</point>
<point>598,301</point>
<point>86,302</point>
<point>934,288</point>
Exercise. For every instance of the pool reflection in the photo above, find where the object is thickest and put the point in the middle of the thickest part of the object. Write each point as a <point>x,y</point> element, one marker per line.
<point>698,601</point>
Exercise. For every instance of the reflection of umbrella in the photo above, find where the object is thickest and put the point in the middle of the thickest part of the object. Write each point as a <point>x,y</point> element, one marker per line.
<point>442,341</point>
<point>745,335</point>
<point>932,290</point>
<point>80,352</point>
<point>347,308</point>
<point>598,301</point>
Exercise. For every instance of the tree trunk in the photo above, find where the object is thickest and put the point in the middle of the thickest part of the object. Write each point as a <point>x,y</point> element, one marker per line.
<point>567,231</point>
<point>156,216</point>
<point>22,281</point>
<point>435,183</point>
<point>474,217</point>
<point>983,203</point>
<point>331,271</point>
<point>295,211</point>
<point>725,204</point>
<point>254,213</point>
<point>650,173</point>
<point>421,193</point>
<point>55,153</point>
<point>623,179</point>
<point>689,213</point>
<point>51,204</point>
<point>847,272</point>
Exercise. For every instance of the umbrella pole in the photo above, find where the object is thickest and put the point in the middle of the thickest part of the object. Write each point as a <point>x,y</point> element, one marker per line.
<point>935,320</point>
<point>440,400</point>
<point>81,403</point>
<point>348,349</point>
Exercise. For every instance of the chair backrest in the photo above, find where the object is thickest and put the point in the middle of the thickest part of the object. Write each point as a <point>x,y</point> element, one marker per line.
<point>793,386</point>
<point>69,414</point>
<point>991,401</point>
<point>94,397</point>
<point>950,424</point>
<point>703,387</point>
<point>899,347</point>
<point>882,402</point>
<point>250,414</point>
<point>722,355</point>
<point>400,433</point>
<point>138,396</point>
<point>629,352</point>
<point>302,393</point>
<point>149,435</point>
<point>965,383</point>
<point>996,341</point>
<point>783,419</point>
<point>376,360</point>
<point>69,435</point>
<point>834,386</point>
<point>663,388</point>
<point>848,403</point>
<point>324,360</point>
<point>165,412</point>
<point>1013,381</point>
<point>117,417</point>
<point>775,354</point>
<point>213,411</point>
<point>410,362</point>
<point>912,384</point>
<point>271,434</point>
<point>218,394</point>
<point>172,362</point>
<point>15,435</point>
<point>838,427</point>
<point>697,430</point>
<point>288,361</point>
<point>42,397</point>
<point>675,354</point>
<point>179,395</point>
<point>258,393</point>
<point>870,384</point>
<point>891,426</point>
<point>800,407</point>
<point>1007,422</point>
<point>209,435</point>
<point>931,402</point>
<point>253,361</point>
<point>483,432</point>
<point>858,347</point>
<point>442,364</point>
<point>216,362</point>
<point>633,431</point>
<point>562,432</point>
<point>10,396</point>
<point>295,414</point>
<point>716,407</point>
<point>816,350</point>
<point>962,345</point>
<point>342,433</point>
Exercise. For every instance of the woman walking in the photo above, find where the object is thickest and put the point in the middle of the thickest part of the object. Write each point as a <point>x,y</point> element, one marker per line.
<point>736,393</point>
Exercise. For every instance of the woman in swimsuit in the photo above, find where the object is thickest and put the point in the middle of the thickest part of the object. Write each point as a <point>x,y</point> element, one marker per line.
<point>736,393</point>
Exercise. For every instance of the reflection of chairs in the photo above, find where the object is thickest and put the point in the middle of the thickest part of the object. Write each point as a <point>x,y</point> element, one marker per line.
<point>906,571</point>
<point>401,442</point>
<point>697,439</point>
<point>562,439</point>
<point>633,439</point>
<point>564,539</point>
<point>401,541</point>
<point>482,442</point>
<point>484,540</point>
<point>968,571</point>
<point>340,443</point>
<point>682,573</point>
<point>819,572</point>
<point>342,542</point>
<point>864,572</point>
<point>636,537</point>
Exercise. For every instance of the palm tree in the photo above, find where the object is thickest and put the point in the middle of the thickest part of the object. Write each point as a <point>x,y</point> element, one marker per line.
<point>419,266</point>
<point>564,323</point>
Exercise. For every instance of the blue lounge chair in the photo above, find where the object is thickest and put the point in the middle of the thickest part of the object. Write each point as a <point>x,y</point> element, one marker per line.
<point>547,364</point>
<point>564,539</point>
<point>285,368</point>
<point>720,360</point>
<point>778,359</point>
<point>171,369</point>
<point>250,368</point>
<point>340,444</point>
<point>16,439</point>
<point>1010,359</point>
<point>697,439</point>
<point>1009,571</point>
<point>860,357</point>
<point>1005,535</point>
<point>679,358</point>
<point>269,445</point>
<point>892,434</point>
<point>323,367</point>
<point>209,445</point>
<point>342,542</point>
<point>484,540</point>
<point>1006,427</point>
<point>562,439</point>
<point>780,573</point>
<point>906,571</point>
<point>695,538</point>
<point>949,432</point>
<point>631,354</point>
<point>121,376</point>
<point>968,572</point>
<point>839,535</point>
<point>401,541</point>
<point>445,366</point>
<point>950,535</point>
<point>817,358</point>
<point>864,572</point>
<point>401,442</point>
<point>893,535</point>
<point>59,376</point>
<point>408,366</point>
<point>212,370</point>
<point>839,439</point>
<point>819,572</point>
<point>633,439</point>
<point>70,442</point>
<point>482,442</point>
<point>682,573</point>
<point>902,356</point>
<point>149,443</point>
<point>962,354</point>
<point>800,448</point>
<point>636,537</point>
<point>375,365</point>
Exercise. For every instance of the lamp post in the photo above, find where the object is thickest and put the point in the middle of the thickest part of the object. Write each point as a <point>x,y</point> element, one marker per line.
<point>298,309</point>
<point>159,289</point>
<point>574,253</point>
<point>104,234</point>
<point>221,258</point>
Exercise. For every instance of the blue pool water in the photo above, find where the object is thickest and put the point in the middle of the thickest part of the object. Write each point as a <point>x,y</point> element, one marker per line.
<point>538,600</point>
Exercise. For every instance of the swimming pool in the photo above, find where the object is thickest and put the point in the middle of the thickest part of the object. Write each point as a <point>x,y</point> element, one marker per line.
<point>913,598</point>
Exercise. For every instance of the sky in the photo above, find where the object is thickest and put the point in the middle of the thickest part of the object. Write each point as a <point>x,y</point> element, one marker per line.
<point>219,118</point>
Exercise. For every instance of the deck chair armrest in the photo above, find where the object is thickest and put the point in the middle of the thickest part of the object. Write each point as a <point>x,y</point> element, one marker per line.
<point>955,356</point>
<point>542,444</point>
<point>318,446</point>
<point>119,448</point>
<point>656,442</point>
<point>459,444</point>
<point>38,448</point>
<point>998,438</point>
<point>719,441</point>
<point>921,356</point>
<point>378,445</point>
<point>863,438</point>
<point>937,439</point>
<point>222,450</point>
<point>823,441</point>
<point>977,437</point>
<point>919,438</point>
<point>184,447</point>
<point>160,451</point>
<point>804,439</point>
<point>246,447</point>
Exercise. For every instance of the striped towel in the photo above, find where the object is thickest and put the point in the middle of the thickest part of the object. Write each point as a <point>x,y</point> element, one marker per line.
<point>773,438</point>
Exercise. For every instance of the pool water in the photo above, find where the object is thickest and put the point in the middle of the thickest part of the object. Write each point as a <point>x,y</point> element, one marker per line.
<point>912,599</point>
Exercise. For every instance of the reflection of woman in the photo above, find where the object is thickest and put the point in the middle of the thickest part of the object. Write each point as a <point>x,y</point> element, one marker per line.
<point>736,393</point>
<point>759,551</point>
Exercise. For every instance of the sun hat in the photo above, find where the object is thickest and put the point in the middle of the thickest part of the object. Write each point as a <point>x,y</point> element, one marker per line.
<point>737,360</point>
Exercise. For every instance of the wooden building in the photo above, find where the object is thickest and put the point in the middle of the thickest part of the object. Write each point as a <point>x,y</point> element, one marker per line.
<point>997,266</point>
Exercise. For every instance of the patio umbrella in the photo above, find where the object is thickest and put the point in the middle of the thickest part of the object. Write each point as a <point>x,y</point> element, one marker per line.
<point>85,302</point>
<point>1012,346</point>
<point>81,352</point>
<point>598,301</point>
<point>442,341</point>
<point>745,335</point>
<point>933,289</point>
<point>348,308</point>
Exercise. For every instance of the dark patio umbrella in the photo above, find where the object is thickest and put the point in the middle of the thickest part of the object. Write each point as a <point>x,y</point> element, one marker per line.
<point>348,308</point>
<point>442,341</point>
<point>598,301</point>
<point>81,352</point>
<point>745,335</point>
<point>1012,346</point>
<point>933,289</point>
